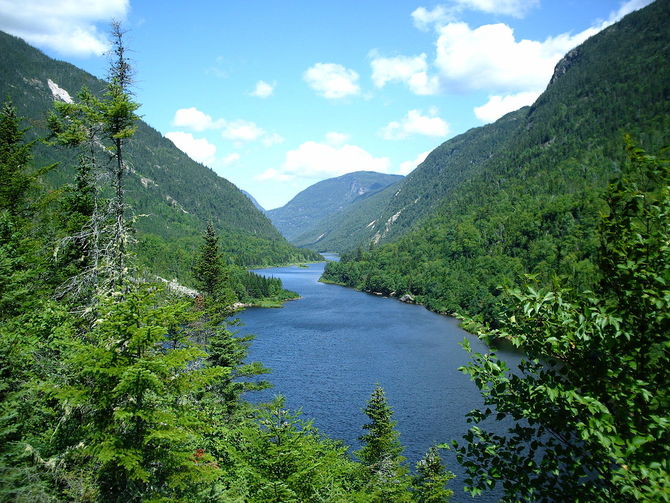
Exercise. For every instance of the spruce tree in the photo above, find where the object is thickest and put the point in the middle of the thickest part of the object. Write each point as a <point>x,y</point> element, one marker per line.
<point>431,479</point>
<point>381,452</point>
<point>15,155</point>
<point>212,274</point>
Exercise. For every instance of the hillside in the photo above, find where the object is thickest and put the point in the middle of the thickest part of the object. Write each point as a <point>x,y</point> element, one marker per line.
<point>253,200</point>
<point>533,204</point>
<point>175,194</point>
<point>392,212</point>
<point>307,211</point>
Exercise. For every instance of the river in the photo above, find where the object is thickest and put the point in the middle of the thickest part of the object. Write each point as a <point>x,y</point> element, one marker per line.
<point>328,350</point>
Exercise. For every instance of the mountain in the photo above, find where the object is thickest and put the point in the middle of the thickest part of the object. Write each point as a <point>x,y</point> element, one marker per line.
<point>310,208</point>
<point>530,202</point>
<point>253,200</point>
<point>392,212</point>
<point>175,195</point>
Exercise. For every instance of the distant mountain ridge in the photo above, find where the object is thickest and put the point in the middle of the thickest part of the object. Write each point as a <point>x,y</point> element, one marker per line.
<point>176,194</point>
<point>391,213</point>
<point>307,210</point>
<point>253,200</point>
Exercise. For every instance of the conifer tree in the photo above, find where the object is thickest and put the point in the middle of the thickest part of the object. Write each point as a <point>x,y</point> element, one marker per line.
<point>211,273</point>
<point>15,155</point>
<point>431,479</point>
<point>381,452</point>
<point>100,127</point>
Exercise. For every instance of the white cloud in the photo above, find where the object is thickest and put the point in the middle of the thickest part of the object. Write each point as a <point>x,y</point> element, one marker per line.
<point>272,139</point>
<point>237,130</point>
<point>335,138</point>
<point>413,71</point>
<point>230,158</point>
<point>424,18</point>
<point>408,166</point>
<point>241,130</point>
<point>490,57</point>
<point>198,149</point>
<point>194,119</point>
<point>263,89</point>
<point>441,14</point>
<point>332,81</point>
<point>415,123</point>
<point>320,160</point>
<point>67,26</point>
<point>514,8</point>
<point>497,106</point>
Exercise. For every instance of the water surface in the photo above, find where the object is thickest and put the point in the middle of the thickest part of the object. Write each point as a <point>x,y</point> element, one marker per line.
<point>328,350</point>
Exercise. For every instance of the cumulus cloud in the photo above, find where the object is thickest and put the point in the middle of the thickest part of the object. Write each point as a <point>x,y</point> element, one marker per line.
<point>230,158</point>
<point>319,160</point>
<point>497,106</point>
<point>411,70</point>
<point>415,122</point>
<point>332,81</point>
<point>241,130</point>
<point>441,14</point>
<point>408,166</point>
<point>424,18</point>
<point>67,26</point>
<point>263,89</point>
<point>194,119</point>
<point>488,57</point>
<point>198,149</point>
<point>335,138</point>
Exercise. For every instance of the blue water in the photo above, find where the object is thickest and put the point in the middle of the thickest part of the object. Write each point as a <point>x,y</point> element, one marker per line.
<point>328,350</point>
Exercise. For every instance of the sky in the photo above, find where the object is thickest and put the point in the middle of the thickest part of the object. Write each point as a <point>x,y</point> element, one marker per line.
<point>277,95</point>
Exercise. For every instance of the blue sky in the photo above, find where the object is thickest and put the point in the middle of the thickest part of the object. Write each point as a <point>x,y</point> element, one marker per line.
<point>277,95</point>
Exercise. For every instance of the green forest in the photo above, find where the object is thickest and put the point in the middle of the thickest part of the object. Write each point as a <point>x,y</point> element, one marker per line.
<point>523,195</point>
<point>119,386</point>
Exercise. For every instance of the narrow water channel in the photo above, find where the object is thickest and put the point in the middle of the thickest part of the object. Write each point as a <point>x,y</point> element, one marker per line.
<point>328,350</point>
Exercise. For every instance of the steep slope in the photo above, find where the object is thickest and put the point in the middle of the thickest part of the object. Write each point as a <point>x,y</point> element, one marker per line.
<point>534,205</point>
<point>175,195</point>
<point>307,210</point>
<point>253,200</point>
<point>392,212</point>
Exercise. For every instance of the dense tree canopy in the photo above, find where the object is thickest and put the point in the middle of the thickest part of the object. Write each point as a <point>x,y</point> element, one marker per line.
<point>590,404</point>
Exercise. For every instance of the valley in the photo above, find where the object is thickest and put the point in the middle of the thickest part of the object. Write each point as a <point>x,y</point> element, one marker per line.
<point>529,358</point>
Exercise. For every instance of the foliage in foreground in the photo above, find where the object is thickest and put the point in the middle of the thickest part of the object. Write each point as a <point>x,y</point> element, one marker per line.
<point>590,405</point>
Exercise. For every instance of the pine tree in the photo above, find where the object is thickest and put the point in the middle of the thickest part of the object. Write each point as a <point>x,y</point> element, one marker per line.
<point>137,423</point>
<point>381,452</point>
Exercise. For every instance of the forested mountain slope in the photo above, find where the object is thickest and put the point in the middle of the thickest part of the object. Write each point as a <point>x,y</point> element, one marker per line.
<point>307,210</point>
<point>533,204</point>
<point>392,212</point>
<point>175,195</point>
